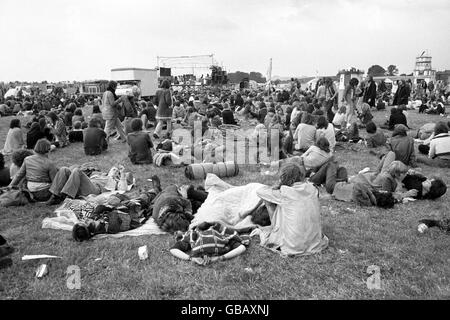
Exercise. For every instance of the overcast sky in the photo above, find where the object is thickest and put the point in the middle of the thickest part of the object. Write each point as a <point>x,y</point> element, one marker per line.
<point>78,40</point>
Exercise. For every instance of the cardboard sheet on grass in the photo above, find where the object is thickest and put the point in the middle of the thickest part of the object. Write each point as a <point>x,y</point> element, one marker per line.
<point>65,220</point>
<point>226,203</point>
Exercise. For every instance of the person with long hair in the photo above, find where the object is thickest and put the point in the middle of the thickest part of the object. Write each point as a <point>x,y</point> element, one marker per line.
<point>59,130</point>
<point>316,155</point>
<point>349,98</point>
<point>38,130</point>
<point>294,211</point>
<point>326,130</point>
<point>38,170</point>
<point>110,112</point>
<point>14,138</point>
<point>17,159</point>
<point>305,133</point>
<point>164,111</point>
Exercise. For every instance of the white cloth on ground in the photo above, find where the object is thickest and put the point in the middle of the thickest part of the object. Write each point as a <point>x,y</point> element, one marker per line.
<point>226,203</point>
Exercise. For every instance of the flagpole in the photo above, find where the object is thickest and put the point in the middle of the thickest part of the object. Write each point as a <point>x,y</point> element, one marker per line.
<point>270,74</point>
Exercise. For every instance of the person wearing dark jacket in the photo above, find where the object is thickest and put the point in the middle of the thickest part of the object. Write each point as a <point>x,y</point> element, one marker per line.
<point>370,94</point>
<point>38,131</point>
<point>227,115</point>
<point>94,139</point>
<point>402,94</point>
<point>396,117</point>
<point>239,102</point>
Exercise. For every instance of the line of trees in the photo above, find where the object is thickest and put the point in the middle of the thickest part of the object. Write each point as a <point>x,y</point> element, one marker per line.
<point>378,71</point>
<point>238,76</point>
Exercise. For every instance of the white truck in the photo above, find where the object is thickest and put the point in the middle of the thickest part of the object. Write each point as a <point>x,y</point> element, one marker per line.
<point>126,78</point>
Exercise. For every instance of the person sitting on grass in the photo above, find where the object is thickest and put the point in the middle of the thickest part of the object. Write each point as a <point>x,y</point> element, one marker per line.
<point>365,115</point>
<point>305,133</point>
<point>396,117</point>
<point>437,108</point>
<point>148,115</point>
<point>140,144</point>
<point>375,138</point>
<point>94,139</point>
<point>39,172</point>
<point>76,135</point>
<point>294,211</point>
<point>58,129</point>
<point>439,148</point>
<point>5,178</point>
<point>17,159</point>
<point>78,116</point>
<point>14,138</point>
<point>38,130</point>
<point>97,114</point>
<point>339,118</point>
<point>403,145</point>
<point>324,129</point>
<point>329,174</point>
<point>316,155</point>
<point>178,112</point>
<point>213,119</point>
<point>228,116</point>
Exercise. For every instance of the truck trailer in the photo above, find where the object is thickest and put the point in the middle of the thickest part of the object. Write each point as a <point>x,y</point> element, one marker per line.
<point>145,79</point>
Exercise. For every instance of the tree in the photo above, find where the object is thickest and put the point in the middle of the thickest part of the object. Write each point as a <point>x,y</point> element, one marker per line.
<point>376,71</point>
<point>392,70</point>
<point>256,76</point>
<point>237,77</point>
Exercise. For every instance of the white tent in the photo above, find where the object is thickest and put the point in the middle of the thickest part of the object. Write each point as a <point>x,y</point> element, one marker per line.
<point>13,92</point>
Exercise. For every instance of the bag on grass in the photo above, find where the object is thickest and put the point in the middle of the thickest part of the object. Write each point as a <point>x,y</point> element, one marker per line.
<point>14,197</point>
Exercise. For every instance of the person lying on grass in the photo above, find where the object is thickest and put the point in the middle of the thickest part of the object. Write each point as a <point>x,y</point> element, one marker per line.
<point>210,242</point>
<point>438,149</point>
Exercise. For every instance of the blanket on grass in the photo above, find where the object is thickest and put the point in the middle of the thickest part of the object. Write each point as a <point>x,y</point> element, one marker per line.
<point>227,203</point>
<point>70,212</point>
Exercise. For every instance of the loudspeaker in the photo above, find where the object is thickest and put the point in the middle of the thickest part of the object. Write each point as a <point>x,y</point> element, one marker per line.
<point>165,72</point>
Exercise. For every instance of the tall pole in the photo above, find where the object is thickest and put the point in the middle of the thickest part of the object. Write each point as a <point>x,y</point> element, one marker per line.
<point>269,74</point>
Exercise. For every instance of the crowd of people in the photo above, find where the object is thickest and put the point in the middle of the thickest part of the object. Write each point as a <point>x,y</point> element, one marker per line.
<point>311,125</point>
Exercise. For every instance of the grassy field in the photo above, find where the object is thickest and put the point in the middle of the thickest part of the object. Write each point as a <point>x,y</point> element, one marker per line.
<point>413,266</point>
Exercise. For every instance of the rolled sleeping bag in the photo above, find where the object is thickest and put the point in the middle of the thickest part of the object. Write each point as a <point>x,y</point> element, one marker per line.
<point>221,169</point>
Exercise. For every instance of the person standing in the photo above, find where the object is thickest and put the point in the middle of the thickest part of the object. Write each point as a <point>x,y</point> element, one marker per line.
<point>164,111</point>
<point>330,98</point>
<point>350,99</point>
<point>110,111</point>
<point>402,94</point>
<point>370,94</point>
